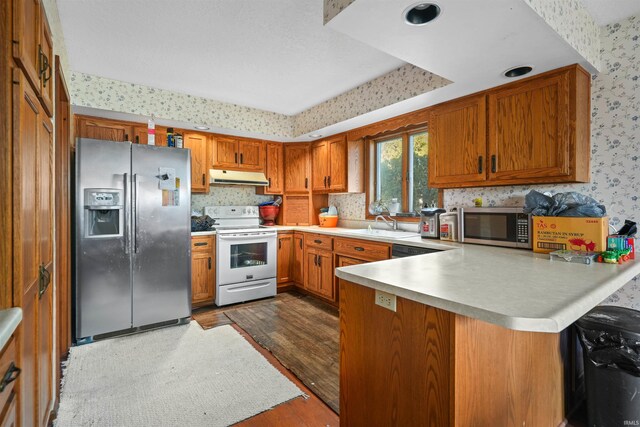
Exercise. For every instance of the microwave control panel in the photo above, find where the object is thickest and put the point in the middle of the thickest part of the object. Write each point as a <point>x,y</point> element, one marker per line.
<point>523,224</point>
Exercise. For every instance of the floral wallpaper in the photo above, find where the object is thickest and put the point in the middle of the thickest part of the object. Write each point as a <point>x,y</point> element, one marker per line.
<point>334,7</point>
<point>615,139</point>
<point>350,206</point>
<point>572,21</point>
<point>59,46</point>
<point>403,83</point>
<point>228,195</point>
<point>98,92</point>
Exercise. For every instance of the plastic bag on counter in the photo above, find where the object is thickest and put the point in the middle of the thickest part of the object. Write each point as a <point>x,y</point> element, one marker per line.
<point>571,204</point>
<point>202,223</point>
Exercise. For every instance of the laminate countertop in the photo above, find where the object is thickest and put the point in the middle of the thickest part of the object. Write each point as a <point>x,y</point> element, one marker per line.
<point>513,288</point>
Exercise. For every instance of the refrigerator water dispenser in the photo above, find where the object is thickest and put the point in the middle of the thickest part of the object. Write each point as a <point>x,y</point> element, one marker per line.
<point>104,213</point>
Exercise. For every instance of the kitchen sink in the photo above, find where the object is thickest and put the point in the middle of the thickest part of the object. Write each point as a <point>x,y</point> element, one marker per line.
<point>383,233</point>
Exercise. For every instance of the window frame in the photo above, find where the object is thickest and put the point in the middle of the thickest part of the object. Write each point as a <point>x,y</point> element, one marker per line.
<point>371,168</point>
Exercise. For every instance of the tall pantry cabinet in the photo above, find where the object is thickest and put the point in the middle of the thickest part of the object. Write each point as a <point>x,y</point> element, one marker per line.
<point>25,28</point>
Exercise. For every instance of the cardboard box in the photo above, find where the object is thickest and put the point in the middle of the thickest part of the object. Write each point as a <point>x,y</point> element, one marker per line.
<point>552,233</point>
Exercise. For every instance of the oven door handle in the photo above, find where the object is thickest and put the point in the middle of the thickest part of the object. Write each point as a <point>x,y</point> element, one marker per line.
<point>245,236</point>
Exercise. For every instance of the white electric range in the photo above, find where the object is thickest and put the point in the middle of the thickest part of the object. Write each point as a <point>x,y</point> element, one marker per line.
<point>246,259</point>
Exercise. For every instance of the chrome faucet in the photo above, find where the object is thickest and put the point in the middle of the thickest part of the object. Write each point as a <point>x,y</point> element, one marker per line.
<point>390,222</point>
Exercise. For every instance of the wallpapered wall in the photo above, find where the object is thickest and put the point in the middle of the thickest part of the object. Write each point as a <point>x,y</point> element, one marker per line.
<point>228,195</point>
<point>572,21</point>
<point>403,83</point>
<point>615,142</point>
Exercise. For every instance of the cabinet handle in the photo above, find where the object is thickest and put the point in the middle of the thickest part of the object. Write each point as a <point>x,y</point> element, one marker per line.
<point>329,181</point>
<point>315,260</point>
<point>209,263</point>
<point>200,244</point>
<point>325,182</point>
<point>43,281</point>
<point>479,164</point>
<point>236,161</point>
<point>319,261</point>
<point>306,183</point>
<point>493,163</point>
<point>318,241</point>
<point>300,243</point>
<point>13,372</point>
<point>359,249</point>
<point>126,136</point>
<point>269,182</point>
<point>241,158</point>
<point>279,243</point>
<point>203,178</point>
<point>137,139</point>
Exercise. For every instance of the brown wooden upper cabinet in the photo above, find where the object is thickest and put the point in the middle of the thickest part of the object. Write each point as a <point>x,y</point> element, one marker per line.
<point>297,168</point>
<point>97,128</point>
<point>329,165</point>
<point>274,164</point>
<point>237,153</point>
<point>536,130</point>
<point>33,48</point>
<point>197,143</point>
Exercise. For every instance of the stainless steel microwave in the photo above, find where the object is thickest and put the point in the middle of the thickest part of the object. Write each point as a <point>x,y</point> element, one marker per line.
<point>499,226</point>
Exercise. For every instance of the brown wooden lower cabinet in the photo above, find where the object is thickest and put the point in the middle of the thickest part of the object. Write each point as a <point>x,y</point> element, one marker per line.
<point>285,255</point>
<point>298,259</point>
<point>10,378</point>
<point>203,269</point>
<point>318,272</point>
<point>429,367</point>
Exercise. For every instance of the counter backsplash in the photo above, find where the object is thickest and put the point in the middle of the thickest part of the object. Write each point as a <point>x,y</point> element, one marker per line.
<point>228,195</point>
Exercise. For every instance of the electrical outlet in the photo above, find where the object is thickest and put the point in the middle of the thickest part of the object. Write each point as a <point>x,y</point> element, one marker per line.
<point>386,300</point>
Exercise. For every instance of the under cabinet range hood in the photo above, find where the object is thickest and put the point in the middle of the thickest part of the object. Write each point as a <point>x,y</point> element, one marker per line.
<point>225,177</point>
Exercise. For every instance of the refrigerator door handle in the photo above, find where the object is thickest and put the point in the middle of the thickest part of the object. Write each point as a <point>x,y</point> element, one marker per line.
<point>127,237</point>
<point>135,212</point>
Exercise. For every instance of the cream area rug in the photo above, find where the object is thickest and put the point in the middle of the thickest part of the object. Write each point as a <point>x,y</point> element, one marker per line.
<point>178,376</point>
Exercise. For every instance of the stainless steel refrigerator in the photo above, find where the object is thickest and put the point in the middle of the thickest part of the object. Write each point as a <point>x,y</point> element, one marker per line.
<point>132,236</point>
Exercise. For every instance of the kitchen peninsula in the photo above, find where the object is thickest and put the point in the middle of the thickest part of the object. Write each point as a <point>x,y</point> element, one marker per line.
<point>475,339</point>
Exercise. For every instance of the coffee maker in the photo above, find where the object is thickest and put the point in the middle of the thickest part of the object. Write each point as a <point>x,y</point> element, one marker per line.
<point>430,222</point>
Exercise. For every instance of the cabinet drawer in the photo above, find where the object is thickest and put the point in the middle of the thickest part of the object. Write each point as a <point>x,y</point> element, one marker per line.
<point>8,358</point>
<point>361,249</point>
<point>319,241</point>
<point>202,243</point>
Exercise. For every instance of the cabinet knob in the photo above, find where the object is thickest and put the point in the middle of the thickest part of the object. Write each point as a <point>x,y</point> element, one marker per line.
<point>269,182</point>
<point>329,181</point>
<point>493,164</point>
<point>480,164</point>
<point>209,263</point>
<point>203,178</point>
<point>241,158</point>
<point>359,249</point>
<point>325,182</point>
<point>236,158</point>
<point>318,241</point>
<point>306,183</point>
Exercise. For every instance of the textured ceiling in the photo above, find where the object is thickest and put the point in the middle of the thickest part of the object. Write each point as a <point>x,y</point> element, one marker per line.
<point>274,55</point>
<point>606,12</point>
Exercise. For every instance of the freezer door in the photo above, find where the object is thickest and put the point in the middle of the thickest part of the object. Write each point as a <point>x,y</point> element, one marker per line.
<point>102,260</point>
<point>161,234</point>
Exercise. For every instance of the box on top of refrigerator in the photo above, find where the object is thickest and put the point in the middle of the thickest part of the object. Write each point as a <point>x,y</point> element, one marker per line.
<point>552,233</point>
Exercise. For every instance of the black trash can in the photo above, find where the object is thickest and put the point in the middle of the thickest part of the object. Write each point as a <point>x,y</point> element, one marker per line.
<point>610,338</point>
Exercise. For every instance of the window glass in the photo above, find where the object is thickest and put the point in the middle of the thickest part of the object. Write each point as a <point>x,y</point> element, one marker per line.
<point>389,170</point>
<point>248,255</point>
<point>419,172</point>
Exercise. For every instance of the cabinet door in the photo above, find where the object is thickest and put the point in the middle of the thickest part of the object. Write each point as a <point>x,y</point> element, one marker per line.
<point>140,135</point>
<point>26,38</point>
<point>274,152</point>
<point>528,130</point>
<point>320,166</point>
<point>298,258</point>
<point>226,152</point>
<point>457,143</point>
<point>311,271</point>
<point>338,166</point>
<point>203,276</point>
<point>45,238</point>
<point>285,252</point>
<point>94,128</point>
<point>46,64</point>
<point>197,143</point>
<point>161,136</point>
<point>325,266</point>
<point>296,168</point>
<point>251,155</point>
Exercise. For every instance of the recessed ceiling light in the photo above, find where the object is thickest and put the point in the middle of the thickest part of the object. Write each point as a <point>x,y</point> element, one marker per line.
<point>201,127</point>
<point>421,13</point>
<point>315,135</point>
<point>518,71</point>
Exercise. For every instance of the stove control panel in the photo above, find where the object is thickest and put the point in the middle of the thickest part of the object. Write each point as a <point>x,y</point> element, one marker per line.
<point>222,212</point>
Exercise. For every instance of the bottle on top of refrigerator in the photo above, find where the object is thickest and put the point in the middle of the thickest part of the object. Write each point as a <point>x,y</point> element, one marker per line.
<point>151,132</point>
<point>170,140</point>
<point>177,138</point>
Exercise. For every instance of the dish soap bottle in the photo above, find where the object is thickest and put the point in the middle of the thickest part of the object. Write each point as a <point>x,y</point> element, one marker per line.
<point>170,140</point>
